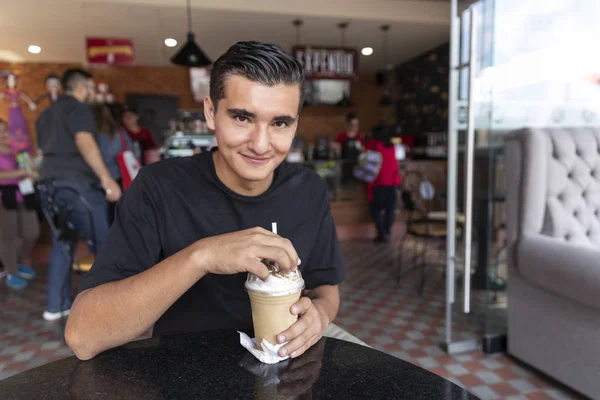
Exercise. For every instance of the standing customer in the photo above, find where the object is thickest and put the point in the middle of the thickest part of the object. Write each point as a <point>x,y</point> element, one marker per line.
<point>138,134</point>
<point>19,226</point>
<point>382,192</point>
<point>112,141</point>
<point>351,143</point>
<point>66,134</point>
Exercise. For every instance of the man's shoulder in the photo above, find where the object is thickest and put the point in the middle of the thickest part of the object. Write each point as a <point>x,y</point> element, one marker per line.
<point>176,170</point>
<point>303,179</point>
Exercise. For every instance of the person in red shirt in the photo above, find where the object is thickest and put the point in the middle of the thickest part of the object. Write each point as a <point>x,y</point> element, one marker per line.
<point>137,133</point>
<point>351,144</point>
<point>382,191</point>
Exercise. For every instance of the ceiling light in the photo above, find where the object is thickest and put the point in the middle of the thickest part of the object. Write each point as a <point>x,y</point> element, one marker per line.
<point>190,54</point>
<point>367,51</point>
<point>170,42</point>
<point>34,49</point>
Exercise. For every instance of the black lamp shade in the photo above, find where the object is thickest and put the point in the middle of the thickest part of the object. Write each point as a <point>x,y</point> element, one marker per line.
<point>191,55</point>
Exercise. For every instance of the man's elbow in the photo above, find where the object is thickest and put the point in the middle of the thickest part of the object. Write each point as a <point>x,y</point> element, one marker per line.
<point>78,344</point>
<point>77,341</point>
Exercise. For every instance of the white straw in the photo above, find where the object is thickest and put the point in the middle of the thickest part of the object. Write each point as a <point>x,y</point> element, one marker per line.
<point>274,227</point>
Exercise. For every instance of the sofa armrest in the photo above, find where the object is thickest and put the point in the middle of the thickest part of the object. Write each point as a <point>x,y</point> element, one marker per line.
<point>569,270</point>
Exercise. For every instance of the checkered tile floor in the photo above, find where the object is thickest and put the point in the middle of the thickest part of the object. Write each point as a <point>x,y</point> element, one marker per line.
<point>388,316</point>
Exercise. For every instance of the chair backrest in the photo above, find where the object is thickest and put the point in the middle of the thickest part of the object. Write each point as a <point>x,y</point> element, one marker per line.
<point>553,184</point>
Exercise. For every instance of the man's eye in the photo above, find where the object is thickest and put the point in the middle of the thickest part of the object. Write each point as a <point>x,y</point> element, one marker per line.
<point>281,124</point>
<point>241,119</point>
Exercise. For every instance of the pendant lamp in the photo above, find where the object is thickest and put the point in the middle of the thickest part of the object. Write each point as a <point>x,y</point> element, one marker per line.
<point>190,54</point>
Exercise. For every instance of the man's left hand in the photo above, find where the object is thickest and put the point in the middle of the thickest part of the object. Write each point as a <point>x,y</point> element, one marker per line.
<point>306,331</point>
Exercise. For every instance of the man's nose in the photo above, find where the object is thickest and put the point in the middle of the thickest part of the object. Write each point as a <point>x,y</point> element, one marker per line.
<point>259,139</point>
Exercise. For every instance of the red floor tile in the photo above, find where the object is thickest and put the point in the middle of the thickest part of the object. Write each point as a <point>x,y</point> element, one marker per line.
<point>538,396</point>
<point>504,389</point>
<point>470,380</point>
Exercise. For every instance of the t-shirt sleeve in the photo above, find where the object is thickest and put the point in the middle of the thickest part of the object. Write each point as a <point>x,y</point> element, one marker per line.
<point>325,265</point>
<point>340,138</point>
<point>81,119</point>
<point>133,244</point>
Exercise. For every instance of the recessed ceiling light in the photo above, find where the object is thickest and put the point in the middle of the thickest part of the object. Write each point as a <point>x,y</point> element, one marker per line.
<point>367,51</point>
<point>170,42</point>
<point>34,49</point>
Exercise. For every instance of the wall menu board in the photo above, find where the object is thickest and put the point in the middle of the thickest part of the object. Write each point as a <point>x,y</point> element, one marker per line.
<point>327,62</point>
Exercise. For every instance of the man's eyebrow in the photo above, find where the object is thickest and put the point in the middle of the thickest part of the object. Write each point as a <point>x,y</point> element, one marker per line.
<point>285,118</point>
<point>240,112</point>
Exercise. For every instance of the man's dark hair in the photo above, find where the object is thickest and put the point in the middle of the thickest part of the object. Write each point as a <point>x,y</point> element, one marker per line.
<point>351,116</point>
<point>259,62</point>
<point>3,122</point>
<point>51,76</point>
<point>73,76</point>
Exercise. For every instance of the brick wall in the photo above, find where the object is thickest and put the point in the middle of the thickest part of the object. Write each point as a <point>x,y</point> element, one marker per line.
<point>173,80</point>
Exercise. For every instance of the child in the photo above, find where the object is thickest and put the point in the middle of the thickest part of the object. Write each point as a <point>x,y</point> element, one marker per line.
<point>19,229</point>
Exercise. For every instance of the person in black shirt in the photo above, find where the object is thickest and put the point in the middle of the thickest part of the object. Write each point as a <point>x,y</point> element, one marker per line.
<point>72,161</point>
<point>188,230</point>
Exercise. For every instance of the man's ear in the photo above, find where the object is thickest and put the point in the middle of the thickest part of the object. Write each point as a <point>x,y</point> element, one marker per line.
<point>209,113</point>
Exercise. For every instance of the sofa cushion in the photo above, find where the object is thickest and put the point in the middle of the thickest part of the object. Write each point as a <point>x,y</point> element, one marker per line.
<point>564,268</point>
<point>573,186</point>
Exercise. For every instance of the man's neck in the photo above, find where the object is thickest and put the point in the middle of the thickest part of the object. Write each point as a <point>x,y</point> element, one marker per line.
<point>237,184</point>
<point>75,97</point>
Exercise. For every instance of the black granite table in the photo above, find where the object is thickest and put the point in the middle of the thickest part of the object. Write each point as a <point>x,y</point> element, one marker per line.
<point>213,365</point>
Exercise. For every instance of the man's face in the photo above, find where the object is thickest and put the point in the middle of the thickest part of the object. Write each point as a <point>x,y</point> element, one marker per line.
<point>254,125</point>
<point>130,118</point>
<point>353,125</point>
<point>87,89</point>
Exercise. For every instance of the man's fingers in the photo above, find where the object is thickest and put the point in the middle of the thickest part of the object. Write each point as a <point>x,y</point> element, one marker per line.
<point>298,346</point>
<point>302,306</point>
<point>291,333</point>
<point>266,238</point>
<point>276,254</point>
<point>259,269</point>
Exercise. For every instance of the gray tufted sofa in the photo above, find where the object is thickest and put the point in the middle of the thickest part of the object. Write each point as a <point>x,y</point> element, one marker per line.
<point>553,222</point>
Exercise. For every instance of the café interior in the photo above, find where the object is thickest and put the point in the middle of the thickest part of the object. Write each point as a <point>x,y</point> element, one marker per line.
<point>488,283</point>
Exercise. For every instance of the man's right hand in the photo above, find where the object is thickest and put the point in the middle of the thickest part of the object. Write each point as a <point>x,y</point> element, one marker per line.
<point>112,190</point>
<point>244,251</point>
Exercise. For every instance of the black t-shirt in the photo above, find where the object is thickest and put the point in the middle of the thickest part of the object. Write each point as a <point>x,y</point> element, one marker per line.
<point>174,203</point>
<point>56,129</point>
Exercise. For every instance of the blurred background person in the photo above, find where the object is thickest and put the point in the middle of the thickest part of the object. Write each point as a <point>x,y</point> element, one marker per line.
<point>19,225</point>
<point>67,136</point>
<point>382,192</point>
<point>112,140</point>
<point>138,134</point>
<point>350,144</point>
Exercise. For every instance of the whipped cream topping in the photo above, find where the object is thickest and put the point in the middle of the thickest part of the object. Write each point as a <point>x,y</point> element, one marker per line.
<point>277,284</point>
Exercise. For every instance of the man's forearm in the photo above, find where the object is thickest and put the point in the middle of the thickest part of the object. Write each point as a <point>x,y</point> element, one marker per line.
<point>115,313</point>
<point>327,298</point>
<point>88,148</point>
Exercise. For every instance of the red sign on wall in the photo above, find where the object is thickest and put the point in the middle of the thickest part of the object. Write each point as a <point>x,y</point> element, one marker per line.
<point>112,51</point>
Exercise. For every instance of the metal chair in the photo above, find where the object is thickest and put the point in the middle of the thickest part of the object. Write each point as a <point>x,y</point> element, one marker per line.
<point>425,224</point>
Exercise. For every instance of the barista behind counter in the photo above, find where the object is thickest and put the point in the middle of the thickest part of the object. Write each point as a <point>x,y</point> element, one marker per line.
<point>350,143</point>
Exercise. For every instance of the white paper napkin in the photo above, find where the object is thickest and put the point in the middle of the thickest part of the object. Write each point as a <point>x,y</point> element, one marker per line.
<point>268,355</point>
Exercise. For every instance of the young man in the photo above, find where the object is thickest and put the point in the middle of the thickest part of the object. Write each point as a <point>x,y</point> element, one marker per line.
<point>66,135</point>
<point>189,230</point>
